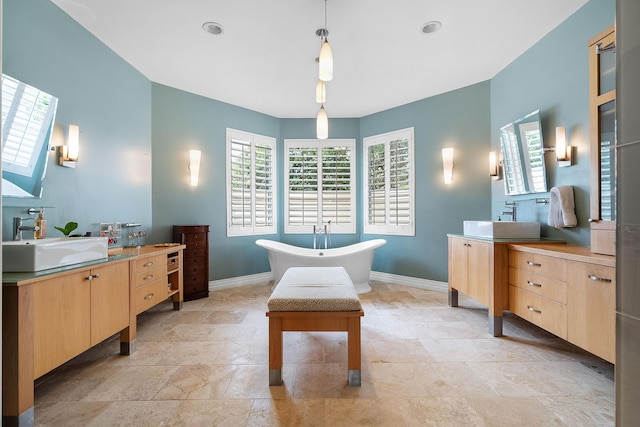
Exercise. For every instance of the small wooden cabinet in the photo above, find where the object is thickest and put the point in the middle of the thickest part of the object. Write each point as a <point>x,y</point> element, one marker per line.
<point>478,268</point>
<point>567,290</point>
<point>196,259</point>
<point>538,290</point>
<point>72,313</point>
<point>592,308</point>
<point>470,273</point>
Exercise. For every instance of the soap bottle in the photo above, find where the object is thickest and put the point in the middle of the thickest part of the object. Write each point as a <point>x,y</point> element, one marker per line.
<point>41,224</point>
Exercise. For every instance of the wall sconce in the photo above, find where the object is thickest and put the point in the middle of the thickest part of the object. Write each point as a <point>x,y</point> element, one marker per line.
<point>494,168</point>
<point>194,166</point>
<point>447,164</point>
<point>69,153</point>
<point>563,151</point>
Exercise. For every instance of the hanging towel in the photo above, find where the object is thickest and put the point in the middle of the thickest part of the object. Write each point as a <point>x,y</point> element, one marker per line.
<point>562,212</point>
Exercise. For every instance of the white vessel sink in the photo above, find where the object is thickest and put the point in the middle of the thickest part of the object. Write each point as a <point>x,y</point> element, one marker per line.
<point>36,255</point>
<point>502,229</point>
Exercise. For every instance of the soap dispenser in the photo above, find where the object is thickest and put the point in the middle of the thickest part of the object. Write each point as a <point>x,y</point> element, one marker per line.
<point>40,225</point>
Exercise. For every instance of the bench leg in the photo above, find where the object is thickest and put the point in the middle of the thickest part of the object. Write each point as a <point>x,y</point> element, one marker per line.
<point>275,351</point>
<point>354,355</point>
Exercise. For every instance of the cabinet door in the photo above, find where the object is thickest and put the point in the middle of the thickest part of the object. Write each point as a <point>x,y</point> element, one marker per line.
<point>591,308</point>
<point>62,320</point>
<point>478,270</point>
<point>458,264</point>
<point>109,300</point>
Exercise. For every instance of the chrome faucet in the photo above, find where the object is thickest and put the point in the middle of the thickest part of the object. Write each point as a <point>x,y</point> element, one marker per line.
<point>511,213</point>
<point>18,228</point>
<point>317,230</point>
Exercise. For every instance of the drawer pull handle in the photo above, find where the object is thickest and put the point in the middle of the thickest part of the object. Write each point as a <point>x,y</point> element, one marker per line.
<point>149,296</point>
<point>148,264</point>
<point>95,276</point>
<point>534,264</point>
<point>530,283</point>
<point>598,279</point>
<point>535,310</point>
<point>148,277</point>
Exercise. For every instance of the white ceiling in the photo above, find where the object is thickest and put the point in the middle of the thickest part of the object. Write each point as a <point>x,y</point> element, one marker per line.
<point>265,59</point>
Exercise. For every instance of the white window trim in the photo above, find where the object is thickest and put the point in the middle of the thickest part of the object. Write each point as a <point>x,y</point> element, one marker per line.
<point>349,228</point>
<point>389,229</point>
<point>253,139</point>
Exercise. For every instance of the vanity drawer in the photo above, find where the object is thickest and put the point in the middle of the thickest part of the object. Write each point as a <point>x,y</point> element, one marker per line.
<point>149,275</point>
<point>151,294</point>
<point>150,263</point>
<point>555,268</point>
<point>539,284</point>
<point>547,314</point>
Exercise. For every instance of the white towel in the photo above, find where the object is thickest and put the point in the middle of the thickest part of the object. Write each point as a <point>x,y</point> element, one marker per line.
<point>562,212</point>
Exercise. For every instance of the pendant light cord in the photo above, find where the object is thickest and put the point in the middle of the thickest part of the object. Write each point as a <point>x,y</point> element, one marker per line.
<point>325,14</point>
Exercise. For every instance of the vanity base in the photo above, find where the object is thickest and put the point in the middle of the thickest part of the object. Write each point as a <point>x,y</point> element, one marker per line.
<point>26,419</point>
<point>495,325</point>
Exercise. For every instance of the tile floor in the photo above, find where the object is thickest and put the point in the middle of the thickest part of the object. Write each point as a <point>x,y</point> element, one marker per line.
<point>424,363</point>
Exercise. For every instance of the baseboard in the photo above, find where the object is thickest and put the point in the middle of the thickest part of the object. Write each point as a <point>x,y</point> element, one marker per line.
<point>414,282</point>
<point>234,282</point>
<point>394,279</point>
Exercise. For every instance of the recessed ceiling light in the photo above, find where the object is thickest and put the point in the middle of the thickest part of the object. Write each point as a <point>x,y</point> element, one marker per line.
<point>431,27</point>
<point>213,28</point>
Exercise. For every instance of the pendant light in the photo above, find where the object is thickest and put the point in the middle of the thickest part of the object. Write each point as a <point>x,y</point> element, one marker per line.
<point>322,124</point>
<point>325,67</point>
<point>325,73</point>
<point>321,92</point>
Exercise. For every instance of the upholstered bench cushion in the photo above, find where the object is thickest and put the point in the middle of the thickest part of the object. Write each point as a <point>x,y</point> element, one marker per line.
<point>315,289</point>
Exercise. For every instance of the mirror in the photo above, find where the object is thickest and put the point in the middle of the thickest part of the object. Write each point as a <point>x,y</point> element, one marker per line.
<point>523,156</point>
<point>28,115</point>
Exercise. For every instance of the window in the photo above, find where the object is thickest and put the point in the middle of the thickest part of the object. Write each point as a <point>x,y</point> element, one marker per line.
<point>320,185</point>
<point>389,183</point>
<point>251,194</point>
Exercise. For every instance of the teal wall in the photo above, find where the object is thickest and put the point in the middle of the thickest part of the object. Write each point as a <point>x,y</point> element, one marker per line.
<point>100,92</point>
<point>183,121</point>
<point>120,113</point>
<point>553,76</point>
<point>458,119</point>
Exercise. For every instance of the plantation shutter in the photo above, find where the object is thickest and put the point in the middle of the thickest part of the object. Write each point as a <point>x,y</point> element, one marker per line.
<point>319,185</point>
<point>336,185</point>
<point>241,184</point>
<point>264,186</point>
<point>399,183</point>
<point>250,189</point>
<point>303,186</point>
<point>389,195</point>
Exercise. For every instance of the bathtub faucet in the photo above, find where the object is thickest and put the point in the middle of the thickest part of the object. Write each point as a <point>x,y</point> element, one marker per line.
<point>317,230</point>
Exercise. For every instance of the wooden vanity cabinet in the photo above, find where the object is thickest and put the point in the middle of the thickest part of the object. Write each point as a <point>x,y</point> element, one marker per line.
<point>151,282</point>
<point>52,316</point>
<point>478,269</point>
<point>566,290</point>
<point>470,270</point>
<point>592,308</point>
<point>538,290</point>
<point>74,312</point>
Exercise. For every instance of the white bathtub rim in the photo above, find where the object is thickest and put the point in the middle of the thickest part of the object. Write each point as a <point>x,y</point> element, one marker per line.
<point>281,247</point>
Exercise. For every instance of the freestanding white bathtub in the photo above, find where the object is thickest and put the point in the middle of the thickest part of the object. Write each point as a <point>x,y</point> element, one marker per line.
<point>356,259</point>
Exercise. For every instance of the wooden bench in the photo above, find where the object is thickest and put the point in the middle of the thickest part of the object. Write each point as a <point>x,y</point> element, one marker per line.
<point>314,299</point>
